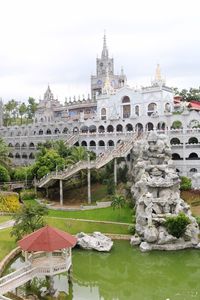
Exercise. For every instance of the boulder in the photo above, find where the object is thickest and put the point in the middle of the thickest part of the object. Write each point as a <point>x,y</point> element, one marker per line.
<point>96,241</point>
<point>151,234</point>
<point>135,240</point>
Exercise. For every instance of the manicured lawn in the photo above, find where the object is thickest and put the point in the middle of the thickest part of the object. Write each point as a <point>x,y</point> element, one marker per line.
<point>101,214</point>
<point>7,243</point>
<point>75,226</point>
<point>5,218</point>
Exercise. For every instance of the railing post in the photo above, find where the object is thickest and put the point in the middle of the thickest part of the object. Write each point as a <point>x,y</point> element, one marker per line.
<point>61,192</point>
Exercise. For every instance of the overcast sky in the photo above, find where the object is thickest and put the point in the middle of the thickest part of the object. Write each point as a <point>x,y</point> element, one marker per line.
<point>57,42</point>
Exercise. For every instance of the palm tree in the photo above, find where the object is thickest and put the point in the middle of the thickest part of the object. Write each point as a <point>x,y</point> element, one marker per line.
<point>118,202</point>
<point>77,154</point>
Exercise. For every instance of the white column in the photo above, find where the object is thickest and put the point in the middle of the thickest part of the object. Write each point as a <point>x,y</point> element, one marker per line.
<point>61,192</point>
<point>115,171</point>
<point>88,179</point>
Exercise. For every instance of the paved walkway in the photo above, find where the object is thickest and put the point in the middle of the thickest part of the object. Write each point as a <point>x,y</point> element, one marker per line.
<point>7,224</point>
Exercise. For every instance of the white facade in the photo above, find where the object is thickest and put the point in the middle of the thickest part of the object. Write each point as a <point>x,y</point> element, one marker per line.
<point>113,115</point>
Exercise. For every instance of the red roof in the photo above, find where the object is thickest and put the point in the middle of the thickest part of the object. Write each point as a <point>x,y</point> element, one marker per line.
<point>47,239</point>
<point>194,105</point>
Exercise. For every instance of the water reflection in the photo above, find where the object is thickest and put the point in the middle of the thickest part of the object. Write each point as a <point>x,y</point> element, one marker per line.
<point>126,273</point>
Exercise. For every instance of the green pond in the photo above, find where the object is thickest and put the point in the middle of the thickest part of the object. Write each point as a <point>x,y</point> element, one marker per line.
<point>126,273</point>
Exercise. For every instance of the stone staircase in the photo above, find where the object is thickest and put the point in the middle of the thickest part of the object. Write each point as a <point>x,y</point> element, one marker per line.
<point>122,149</point>
<point>72,139</point>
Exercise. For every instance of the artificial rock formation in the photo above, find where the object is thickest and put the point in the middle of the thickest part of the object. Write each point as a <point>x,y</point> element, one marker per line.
<point>156,192</point>
<point>96,241</point>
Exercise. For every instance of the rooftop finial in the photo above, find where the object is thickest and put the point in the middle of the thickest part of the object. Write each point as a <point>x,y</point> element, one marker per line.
<point>158,73</point>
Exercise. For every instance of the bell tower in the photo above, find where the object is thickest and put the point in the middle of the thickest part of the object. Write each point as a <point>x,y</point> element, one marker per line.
<point>105,69</point>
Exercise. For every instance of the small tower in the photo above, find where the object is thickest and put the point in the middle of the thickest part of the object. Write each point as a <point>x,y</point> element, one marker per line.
<point>158,79</point>
<point>105,65</point>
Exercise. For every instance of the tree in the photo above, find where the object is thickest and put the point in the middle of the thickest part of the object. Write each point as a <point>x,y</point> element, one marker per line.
<point>28,219</point>
<point>4,160</point>
<point>118,202</point>
<point>188,95</point>
<point>77,154</point>
<point>186,183</point>
<point>32,107</point>
<point>22,110</point>
<point>4,175</point>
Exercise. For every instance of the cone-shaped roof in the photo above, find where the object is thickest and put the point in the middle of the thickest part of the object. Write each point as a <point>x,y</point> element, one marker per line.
<point>47,239</point>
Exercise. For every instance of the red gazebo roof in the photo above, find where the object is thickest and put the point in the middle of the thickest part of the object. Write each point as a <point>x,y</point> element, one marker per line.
<point>47,239</point>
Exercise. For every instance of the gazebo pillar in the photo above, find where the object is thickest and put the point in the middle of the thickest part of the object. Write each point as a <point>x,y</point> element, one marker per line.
<point>61,192</point>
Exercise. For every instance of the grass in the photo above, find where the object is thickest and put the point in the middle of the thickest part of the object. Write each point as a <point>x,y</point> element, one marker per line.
<point>75,226</point>
<point>4,219</point>
<point>100,214</point>
<point>7,243</point>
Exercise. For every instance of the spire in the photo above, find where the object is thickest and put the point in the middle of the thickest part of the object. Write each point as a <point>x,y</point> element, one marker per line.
<point>158,73</point>
<point>105,49</point>
<point>158,79</point>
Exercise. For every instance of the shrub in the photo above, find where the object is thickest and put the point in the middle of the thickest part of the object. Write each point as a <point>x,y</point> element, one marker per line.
<point>122,174</point>
<point>176,226</point>
<point>9,202</point>
<point>186,183</point>
<point>198,221</point>
<point>131,229</point>
<point>4,175</point>
<point>27,195</point>
<point>110,186</point>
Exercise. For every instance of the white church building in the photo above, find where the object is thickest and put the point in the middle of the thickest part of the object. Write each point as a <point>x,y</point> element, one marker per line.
<point>114,112</point>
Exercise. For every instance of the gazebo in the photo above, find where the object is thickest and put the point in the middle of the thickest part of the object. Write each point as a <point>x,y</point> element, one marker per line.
<point>48,250</point>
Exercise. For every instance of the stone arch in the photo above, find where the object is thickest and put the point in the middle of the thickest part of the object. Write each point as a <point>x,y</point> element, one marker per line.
<point>92,129</point>
<point>31,145</point>
<point>110,128</point>
<point>65,130</point>
<point>119,128</point>
<point>152,108</point>
<point>24,145</point>
<point>126,107</point>
<point>17,155</point>
<point>176,156</point>
<point>139,127</point>
<point>92,143</point>
<point>75,130</point>
<point>48,131</point>
<point>101,129</point>
<point>24,156</point>
<point>111,143</point>
<point>193,156</point>
<point>17,145</point>
<point>161,126</point>
<point>129,127</point>
<point>10,145</point>
<point>84,129</point>
<point>175,141</point>
<point>31,156</point>
<point>193,140</point>
<point>101,143</point>
<point>149,126</point>
<point>167,107</point>
<point>57,131</point>
<point>84,143</point>
<point>103,114</point>
<point>193,170</point>
<point>41,132</point>
<point>77,144</point>
<point>137,110</point>
<point>10,155</point>
<point>194,124</point>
